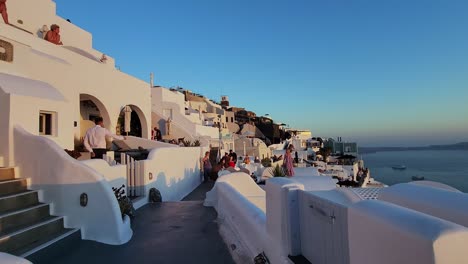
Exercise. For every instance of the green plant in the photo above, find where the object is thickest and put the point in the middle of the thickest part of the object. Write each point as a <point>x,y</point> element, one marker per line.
<point>266,162</point>
<point>277,171</point>
<point>196,143</point>
<point>187,143</point>
<point>125,203</point>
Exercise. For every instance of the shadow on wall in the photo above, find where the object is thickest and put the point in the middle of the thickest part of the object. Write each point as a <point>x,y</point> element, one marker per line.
<point>177,189</point>
<point>162,126</point>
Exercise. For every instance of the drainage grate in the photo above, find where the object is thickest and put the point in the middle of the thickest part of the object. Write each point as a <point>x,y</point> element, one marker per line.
<point>367,193</point>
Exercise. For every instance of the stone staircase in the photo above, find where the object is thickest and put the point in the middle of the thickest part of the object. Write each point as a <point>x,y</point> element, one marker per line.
<point>26,226</point>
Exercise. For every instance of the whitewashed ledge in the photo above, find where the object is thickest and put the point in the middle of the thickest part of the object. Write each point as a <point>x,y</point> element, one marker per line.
<point>10,259</point>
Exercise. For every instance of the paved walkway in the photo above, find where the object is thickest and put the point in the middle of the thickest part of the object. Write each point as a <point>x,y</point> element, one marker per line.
<point>169,232</point>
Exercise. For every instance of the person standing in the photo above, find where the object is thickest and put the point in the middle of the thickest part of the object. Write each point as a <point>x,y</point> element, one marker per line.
<point>207,168</point>
<point>288,161</point>
<point>158,134</point>
<point>95,139</point>
<point>3,11</point>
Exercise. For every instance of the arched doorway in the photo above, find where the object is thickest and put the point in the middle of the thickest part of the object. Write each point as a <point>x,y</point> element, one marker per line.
<point>90,108</point>
<point>138,124</point>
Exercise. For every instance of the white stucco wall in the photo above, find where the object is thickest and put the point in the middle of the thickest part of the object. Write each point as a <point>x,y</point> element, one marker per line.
<point>35,14</point>
<point>175,171</point>
<point>73,74</point>
<point>384,233</point>
<point>115,175</point>
<point>448,205</point>
<point>163,98</point>
<point>4,129</point>
<point>62,180</point>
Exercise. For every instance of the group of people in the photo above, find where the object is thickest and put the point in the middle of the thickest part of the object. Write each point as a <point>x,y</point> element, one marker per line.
<point>229,159</point>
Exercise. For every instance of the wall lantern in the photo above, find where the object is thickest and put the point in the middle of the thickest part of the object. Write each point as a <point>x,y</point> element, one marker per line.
<point>83,199</point>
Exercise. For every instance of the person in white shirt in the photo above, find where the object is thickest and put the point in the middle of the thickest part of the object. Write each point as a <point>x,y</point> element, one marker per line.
<point>95,139</point>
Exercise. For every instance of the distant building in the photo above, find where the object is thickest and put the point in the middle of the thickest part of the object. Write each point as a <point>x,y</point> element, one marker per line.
<point>224,101</point>
<point>340,147</point>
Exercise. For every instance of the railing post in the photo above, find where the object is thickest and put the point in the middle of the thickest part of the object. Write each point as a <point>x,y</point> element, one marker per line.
<point>137,178</point>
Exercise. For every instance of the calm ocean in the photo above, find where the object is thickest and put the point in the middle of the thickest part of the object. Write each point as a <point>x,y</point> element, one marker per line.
<point>446,166</point>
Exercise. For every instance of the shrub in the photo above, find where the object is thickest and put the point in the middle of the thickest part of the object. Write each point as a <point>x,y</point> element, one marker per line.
<point>125,203</point>
<point>187,143</point>
<point>266,162</point>
<point>277,171</point>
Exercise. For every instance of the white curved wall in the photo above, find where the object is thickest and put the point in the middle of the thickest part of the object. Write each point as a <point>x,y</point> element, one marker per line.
<point>115,175</point>
<point>175,171</point>
<point>62,180</point>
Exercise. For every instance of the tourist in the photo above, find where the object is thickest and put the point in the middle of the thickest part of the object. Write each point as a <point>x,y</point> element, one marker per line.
<point>231,162</point>
<point>288,162</point>
<point>257,160</point>
<point>95,139</point>
<point>3,11</point>
<point>233,155</point>
<point>206,167</point>
<point>247,160</point>
<point>157,134</point>
<point>53,35</point>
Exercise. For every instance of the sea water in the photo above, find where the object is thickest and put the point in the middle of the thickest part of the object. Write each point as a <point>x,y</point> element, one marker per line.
<point>446,166</point>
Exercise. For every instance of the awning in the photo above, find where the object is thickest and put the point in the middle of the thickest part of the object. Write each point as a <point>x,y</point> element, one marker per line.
<point>16,85</point>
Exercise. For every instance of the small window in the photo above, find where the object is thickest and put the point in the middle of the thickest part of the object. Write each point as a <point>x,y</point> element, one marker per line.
<point>47,123</point>
<point>232,119</point>
<point>227,119</point>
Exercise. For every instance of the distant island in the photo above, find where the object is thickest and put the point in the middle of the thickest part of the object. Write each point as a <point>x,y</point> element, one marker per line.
<point>457,146</point>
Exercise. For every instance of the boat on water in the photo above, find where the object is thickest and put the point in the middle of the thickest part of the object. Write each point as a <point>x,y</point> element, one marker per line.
<point>399,167</point>
<point>417,178</point>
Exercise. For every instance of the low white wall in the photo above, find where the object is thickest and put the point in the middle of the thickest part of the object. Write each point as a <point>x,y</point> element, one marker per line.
<point>306,171</point>
<point>240,204</point>
<point>10,259</point>
<point>448,205</point>
<point>62,180</point>
<point>136,142</point>
<point>318,183</point>
<point>324,225</point>
<point>384,233</point>
<point>115,175</point>
<point>283,214</point>
<point>175,171</point>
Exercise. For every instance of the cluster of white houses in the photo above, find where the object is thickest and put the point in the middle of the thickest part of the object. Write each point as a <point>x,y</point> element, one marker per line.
<point>49,95</point>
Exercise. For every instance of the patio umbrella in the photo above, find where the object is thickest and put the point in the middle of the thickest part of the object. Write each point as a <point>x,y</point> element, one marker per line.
<point>127,118</point>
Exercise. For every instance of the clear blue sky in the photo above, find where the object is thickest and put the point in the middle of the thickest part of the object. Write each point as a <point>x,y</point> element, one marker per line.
<point>380,72</point>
